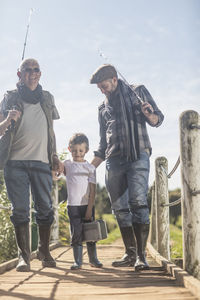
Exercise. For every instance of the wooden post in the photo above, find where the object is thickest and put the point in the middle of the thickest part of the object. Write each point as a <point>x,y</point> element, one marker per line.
<point>190,175</point>
<point>153,226</point>
<point>162,198</point>
<point>55,226</point>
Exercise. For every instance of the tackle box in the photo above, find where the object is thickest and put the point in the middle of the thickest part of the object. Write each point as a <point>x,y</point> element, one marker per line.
<point>94,231</point>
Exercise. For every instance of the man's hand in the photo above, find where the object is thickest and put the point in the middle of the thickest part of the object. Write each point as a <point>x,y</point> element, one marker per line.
<point>6,122</point>
<point>13,115</point>
<point>153,118</point>
<point>147,109</point>
<point>96,161</point>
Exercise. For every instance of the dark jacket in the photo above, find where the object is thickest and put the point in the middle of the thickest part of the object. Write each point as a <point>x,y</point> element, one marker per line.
<point>108,145</point>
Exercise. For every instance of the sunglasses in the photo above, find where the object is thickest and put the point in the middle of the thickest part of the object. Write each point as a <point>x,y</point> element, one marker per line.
<point>30,70</point>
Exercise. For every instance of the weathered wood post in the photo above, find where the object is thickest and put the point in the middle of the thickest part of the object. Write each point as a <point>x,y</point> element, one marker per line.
<point>190,175</point>
<point>55,226</point>
<point>153,226</point>
<point>162,199</point>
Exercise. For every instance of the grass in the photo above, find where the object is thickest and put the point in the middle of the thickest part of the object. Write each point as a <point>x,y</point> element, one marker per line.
<point>112,236</point>
<point>113,229</point>
<point>176,242</point>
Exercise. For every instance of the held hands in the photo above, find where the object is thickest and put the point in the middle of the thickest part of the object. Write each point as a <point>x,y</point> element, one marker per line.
<point>57,168</point>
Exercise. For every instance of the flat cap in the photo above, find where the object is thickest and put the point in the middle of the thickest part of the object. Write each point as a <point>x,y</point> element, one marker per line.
<point>104,72</point>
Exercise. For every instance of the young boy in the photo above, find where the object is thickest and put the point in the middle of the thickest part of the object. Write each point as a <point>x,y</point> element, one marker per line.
<point>81,187</point>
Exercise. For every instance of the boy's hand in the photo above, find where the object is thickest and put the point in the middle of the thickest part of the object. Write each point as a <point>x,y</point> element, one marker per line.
<point>88,215</point>
<point>55,176</point>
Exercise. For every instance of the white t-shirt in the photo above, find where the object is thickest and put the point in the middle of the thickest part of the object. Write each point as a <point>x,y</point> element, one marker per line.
<point>78,177</point>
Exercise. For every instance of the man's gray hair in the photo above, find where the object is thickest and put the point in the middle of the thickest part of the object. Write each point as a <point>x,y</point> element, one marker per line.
<point>26,62</point>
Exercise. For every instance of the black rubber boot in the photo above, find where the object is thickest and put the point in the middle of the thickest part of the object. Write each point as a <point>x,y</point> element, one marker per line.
<point>141,233</point>
<point>129,257</point>
<point>92,254</point>
<point>78,254</point>
<point>43,252</point>
<point>23,243</point>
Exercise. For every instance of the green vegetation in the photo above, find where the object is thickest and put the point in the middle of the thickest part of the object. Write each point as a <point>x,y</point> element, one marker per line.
<point>102,202</point>
<point>64,230</point>
<point>174,211</point>
<point>8,249</point>
<point>111,222</point>
<point>112,236</point>
<point>113,229</point>
<point>176,248</point>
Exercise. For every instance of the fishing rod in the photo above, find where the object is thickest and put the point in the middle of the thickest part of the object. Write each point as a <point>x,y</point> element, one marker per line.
<point>23,53</point>
<point>141,101</point>
<point>27,30</point>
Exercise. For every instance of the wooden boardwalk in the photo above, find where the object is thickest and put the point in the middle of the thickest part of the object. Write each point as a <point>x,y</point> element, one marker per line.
<point>90,283</point>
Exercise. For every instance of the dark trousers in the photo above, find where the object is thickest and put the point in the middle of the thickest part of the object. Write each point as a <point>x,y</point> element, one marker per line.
<point>76,218</point>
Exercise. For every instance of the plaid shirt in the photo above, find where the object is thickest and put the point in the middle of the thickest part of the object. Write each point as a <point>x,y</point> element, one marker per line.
<point>108,145</point>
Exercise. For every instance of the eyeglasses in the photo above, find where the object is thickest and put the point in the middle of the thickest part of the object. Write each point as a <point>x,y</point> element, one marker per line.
<point>30,70</point>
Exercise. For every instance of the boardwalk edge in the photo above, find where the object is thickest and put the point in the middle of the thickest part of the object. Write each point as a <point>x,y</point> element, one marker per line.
<point>182,277</point>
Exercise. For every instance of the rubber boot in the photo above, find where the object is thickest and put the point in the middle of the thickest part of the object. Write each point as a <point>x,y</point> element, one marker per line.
<point>141,233</point>
<point>129,257</point>
<point>23,243</point>
<point>92,254</point>
<point>78,253</point>
<point>43,252</point>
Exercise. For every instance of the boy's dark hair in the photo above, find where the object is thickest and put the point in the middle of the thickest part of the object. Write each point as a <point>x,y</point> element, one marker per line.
<point>79,138</point>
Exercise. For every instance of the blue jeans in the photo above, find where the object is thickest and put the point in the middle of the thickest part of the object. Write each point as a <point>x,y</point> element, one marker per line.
<point>127,186</point>
<point>20,176</point>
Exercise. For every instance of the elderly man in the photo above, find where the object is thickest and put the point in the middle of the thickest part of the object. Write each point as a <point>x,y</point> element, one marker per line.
<point>28,154</point>
<point>125,145</point>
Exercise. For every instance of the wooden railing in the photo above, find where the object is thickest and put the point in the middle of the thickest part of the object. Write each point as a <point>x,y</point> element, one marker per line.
<point>190,196</point>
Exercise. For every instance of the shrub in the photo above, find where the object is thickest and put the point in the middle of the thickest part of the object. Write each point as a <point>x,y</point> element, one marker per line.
<point>8,248</point>
<point>64,231</point>
<point>111,221</point>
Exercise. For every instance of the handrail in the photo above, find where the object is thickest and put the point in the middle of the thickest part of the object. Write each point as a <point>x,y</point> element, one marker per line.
<point>173,170</point>
<point>189,160</point>
<point>176,202</point>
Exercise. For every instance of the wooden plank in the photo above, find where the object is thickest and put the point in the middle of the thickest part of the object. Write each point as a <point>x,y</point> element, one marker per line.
<point>90,283</point>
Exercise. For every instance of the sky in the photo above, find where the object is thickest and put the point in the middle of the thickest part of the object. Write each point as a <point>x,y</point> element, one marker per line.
<point>151,42</point>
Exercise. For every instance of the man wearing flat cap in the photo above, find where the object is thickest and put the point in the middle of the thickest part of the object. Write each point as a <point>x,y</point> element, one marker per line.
<point>125,145</point>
